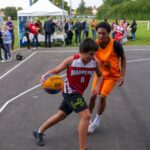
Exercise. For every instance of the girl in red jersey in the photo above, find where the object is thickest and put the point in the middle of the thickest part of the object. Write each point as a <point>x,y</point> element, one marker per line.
<point>80,68</point>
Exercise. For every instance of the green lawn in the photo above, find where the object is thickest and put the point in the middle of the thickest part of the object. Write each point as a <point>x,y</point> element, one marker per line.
<point>142,35</point>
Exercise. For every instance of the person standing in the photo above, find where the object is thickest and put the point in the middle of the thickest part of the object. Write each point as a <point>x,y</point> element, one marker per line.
<point>112,65</point>
<point>120,32</point>
<point>10,27</point>
<point>7,41</point>
<point>78,30</point>
<point>3,47</point>
<point>85,27</point>
<point>48,31</point>
<point>93,27</point>
<point>80,68</point>
<point>133,29</point>
<point>27,34</point>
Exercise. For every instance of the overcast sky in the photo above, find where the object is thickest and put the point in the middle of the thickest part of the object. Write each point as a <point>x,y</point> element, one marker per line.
<point>25,3</point>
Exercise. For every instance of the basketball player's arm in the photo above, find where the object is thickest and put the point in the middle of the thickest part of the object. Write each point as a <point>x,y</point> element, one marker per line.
<point>99,78</point>
<point>120,53</point>
<point>62,66</point>
<point>123,70</point>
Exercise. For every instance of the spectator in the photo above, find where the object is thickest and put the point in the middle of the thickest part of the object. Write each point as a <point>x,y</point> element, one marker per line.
<point>85,26</point>
<point>35,31</point>
<point>114,27</point>
<point>10,27</point>
<point>120,32</point>
<point>133,29</point>
<point>48,31</point>
<point>93,27</point>
<point>2,47</point>
<point>6,35</point>
<point>27,33</point>
<point>78,30</point>
<point>68,30</point>
<point>39,25</point>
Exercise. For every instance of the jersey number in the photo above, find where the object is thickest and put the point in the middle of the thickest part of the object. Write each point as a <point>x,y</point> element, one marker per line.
<point>82,80</point>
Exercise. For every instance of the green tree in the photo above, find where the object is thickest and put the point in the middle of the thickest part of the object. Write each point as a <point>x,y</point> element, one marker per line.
<point>81,9</point>
<point>11,11</point>
<point>126,8</point>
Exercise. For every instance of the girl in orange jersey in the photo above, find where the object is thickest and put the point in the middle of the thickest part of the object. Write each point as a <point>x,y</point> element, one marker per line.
<point>112,65</point>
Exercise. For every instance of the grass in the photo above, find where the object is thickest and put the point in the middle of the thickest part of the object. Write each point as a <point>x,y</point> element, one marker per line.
<point>142,35</point>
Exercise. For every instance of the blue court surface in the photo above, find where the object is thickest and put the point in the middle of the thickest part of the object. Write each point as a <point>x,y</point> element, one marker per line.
<point>125,124</point>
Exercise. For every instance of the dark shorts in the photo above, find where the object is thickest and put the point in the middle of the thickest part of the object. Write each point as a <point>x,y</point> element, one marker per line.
<point>73,102</point>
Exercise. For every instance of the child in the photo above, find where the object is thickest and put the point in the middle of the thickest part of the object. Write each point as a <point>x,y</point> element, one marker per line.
<point>80,68</point>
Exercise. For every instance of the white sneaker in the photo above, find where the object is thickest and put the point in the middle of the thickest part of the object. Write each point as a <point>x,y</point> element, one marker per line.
<point>3,61</point>
<point>93,126</point>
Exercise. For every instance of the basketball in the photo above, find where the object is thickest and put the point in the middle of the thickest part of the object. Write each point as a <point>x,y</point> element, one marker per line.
<point>53,84</point>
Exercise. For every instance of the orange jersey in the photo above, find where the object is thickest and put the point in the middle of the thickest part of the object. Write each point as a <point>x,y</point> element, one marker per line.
<point>109,61</point>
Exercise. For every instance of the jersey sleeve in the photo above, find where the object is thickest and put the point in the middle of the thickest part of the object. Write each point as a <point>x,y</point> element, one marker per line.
<point>118,49</point>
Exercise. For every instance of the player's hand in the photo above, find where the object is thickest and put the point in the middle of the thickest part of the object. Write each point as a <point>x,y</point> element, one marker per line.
<point>120,81</point>
<point>43,78</point>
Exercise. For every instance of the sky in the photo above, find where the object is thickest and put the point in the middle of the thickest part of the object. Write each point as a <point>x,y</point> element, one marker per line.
<point>25,3</point>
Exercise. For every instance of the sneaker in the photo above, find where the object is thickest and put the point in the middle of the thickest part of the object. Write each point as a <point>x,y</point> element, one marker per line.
<point>92,127</point>
<point>3,61</point>
<point>39,138</point>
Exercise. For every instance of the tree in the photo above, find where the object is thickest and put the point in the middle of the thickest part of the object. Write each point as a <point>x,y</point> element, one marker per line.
<point>81,9</point>
<point>11,11</point>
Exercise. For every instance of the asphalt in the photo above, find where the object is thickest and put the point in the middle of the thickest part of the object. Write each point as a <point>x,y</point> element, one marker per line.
<point>125,124</point>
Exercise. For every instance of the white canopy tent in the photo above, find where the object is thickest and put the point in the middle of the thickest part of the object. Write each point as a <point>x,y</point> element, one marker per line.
<point>42,8</point>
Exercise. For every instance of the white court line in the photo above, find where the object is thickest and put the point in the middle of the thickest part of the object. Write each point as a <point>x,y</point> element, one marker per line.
<point>16,66</point>
<point>137,49</point>
<point>23,93</point>
<point>66,51</point>
<point>138,60</point>
<point>9,101</point>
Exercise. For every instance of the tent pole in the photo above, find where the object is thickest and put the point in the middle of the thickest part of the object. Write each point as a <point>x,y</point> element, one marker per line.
<point>18,31</point>
<point>63,19</point>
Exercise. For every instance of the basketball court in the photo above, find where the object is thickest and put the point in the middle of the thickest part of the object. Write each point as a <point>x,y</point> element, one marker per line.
<point>125,124</point>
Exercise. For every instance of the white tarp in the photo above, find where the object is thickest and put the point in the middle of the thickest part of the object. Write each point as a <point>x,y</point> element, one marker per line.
<point>42,8</point>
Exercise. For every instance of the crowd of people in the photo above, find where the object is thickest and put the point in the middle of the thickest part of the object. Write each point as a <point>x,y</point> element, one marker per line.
<point>121,31</point>
<point>77,31</point>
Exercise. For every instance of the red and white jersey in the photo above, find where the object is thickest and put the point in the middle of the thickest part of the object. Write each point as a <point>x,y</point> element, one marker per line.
<point>78,75</point>
<point>119,32</point>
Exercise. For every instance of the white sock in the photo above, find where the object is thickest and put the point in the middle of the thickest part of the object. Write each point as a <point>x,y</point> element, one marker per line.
<point>97,117</point>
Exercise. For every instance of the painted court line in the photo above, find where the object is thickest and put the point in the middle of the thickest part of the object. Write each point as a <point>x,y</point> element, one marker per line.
<point>21,94</point>
<point>27,91</point>
<point>17,66</point>
<point>65,51</point>
<point>137,49</point>
<point>138,60</point>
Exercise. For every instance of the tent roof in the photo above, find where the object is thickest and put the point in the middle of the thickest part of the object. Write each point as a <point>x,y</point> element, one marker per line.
<point>42,8</point>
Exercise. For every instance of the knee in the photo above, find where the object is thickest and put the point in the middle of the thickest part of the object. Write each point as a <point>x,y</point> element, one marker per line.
<point>87,116</point>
